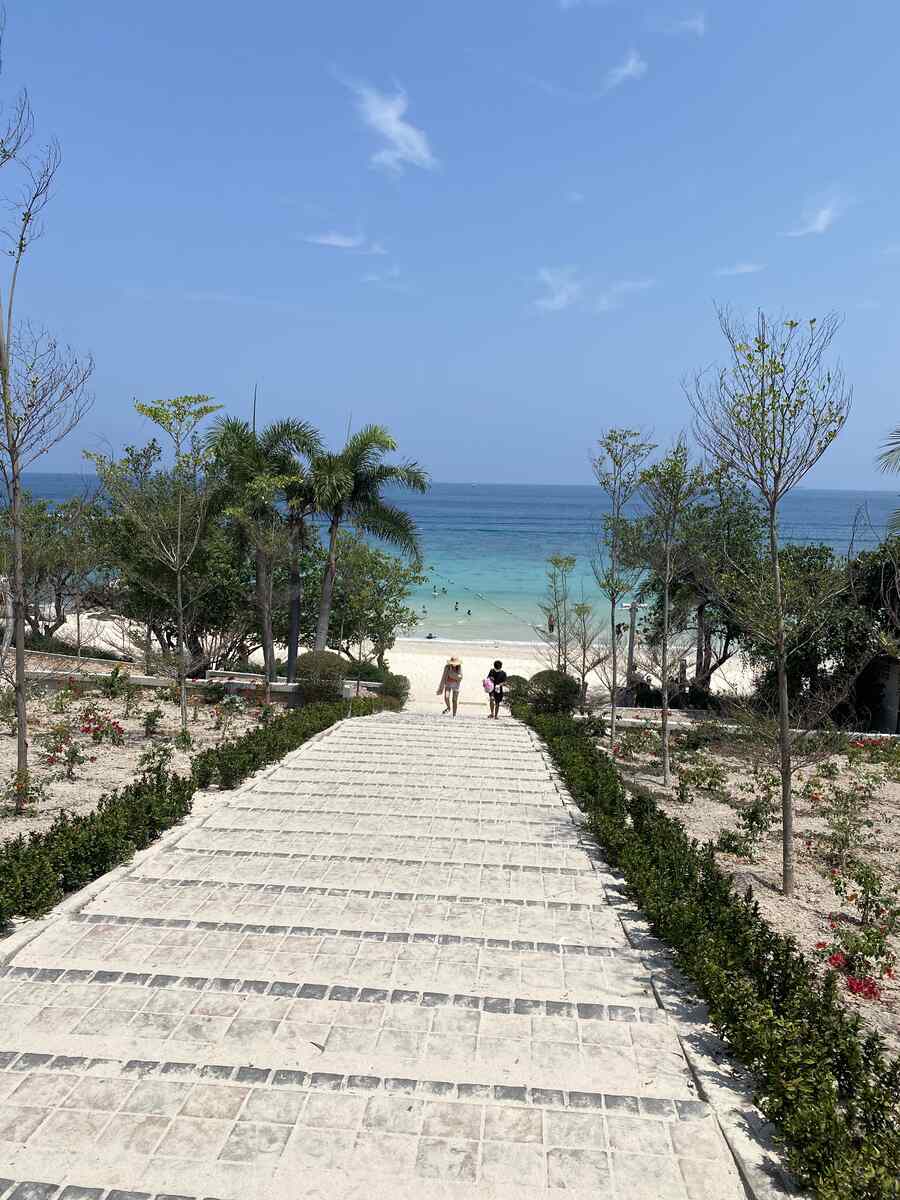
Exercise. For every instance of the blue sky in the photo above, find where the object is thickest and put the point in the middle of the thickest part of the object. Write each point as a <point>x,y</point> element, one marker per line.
<point>496,228</point>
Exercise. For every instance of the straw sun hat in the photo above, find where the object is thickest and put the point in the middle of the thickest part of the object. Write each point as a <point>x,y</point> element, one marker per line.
<point>454,662</point>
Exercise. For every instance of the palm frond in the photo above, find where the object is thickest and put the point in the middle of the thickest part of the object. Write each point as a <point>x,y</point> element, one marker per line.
<point>889,458</point>
<point>391,525</point>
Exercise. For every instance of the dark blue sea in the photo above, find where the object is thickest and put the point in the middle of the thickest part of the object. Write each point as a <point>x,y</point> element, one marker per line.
<point>487,544</point>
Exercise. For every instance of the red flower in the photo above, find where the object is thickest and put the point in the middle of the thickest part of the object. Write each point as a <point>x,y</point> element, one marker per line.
<point>838,960</point>
<point>821,945</point>
<point>863,986</point>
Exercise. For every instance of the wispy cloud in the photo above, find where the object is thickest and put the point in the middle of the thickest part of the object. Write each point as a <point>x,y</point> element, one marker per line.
<point>631,67</point>
<point>891,251</point>
<point>405,144</point>
<point>693,25</point>
<point>576,197</point>
<point>820,217</point>
<point>568,5</point>
<point>741,268</point>
<point>562,288</point>
<point>340,241</point>
<point>617,293</point>
<point>345,241</point>
<point>392,272</point>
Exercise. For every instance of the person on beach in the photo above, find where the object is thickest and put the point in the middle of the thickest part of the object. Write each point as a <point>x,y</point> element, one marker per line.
<point>449,685</point>
<point>495,696</point>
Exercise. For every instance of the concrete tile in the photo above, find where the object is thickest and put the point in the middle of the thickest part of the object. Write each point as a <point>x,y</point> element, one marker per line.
<point>66,1128</point>
<point>574,1130</point>
<point>330,1111</point>
<point>193,1137</point>
<point>509,1162</point>
<point>274,1105</point>
<point>385,1153</point>
<point>212,1101</point>
<point>512,1124</point>
<point>445,1119</point>
<point>444,1158</point>
<point>18,1124</point>
<point>102,1095</point>
<point>42,1091</point>
<point>638,1135</point>
<point>649,1177</point>
<point>394,1114</point>
<point>157,1096</point>
<point>251,1142</point>
<point>319,1149</point>
<point>139,1134</point>
<point>709,1180</point>
<point>570,1169</point>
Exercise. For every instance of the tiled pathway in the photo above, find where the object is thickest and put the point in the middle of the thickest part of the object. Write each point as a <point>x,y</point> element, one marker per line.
<point>387,967</point>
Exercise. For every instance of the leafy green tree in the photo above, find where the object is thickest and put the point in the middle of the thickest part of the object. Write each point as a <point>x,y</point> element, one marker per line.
<point>668,489</point>
<point>373,587</point>
<point>621,456</point>
<point>169,509</point>
<point>258,471</point>
<point>767,418</point>
<point>349,487</point>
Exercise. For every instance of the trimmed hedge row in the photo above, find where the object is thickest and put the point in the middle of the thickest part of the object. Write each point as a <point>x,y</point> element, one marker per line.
<point>829,1088</point>
<point>37,871</point>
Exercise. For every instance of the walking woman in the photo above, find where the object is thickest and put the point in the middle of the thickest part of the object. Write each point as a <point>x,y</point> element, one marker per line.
<point>449,685</point>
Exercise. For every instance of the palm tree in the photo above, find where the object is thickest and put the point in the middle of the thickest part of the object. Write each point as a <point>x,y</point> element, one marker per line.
<point>349,488</point>
<point>258,471</point>
<point>889,460</point>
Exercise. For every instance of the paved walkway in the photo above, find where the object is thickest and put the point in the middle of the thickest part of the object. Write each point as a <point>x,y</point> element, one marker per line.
<point>387,967</point>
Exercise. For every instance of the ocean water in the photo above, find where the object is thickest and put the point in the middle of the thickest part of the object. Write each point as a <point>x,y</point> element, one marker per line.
<point>487,545</point>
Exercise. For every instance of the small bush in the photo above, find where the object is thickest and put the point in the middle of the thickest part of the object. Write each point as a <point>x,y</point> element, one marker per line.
<point>396,687</point>
<point>152,718</point>
<point>115,684</point>
<point>516,689</point>
<point>553,692</point>
<point>213,692</point>
<point>320,676</point>
<point>365,672</point>
<point>8,711</point>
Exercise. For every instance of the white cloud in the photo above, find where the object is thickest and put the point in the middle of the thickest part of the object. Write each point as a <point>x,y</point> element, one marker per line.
<point>386,276</point>
<point>384,114</point>
<point>568,5</point>
<point>345,241</point>
<point>615,295</point>
<point>630,68</point>
<point>562,288</point>
<point>576,197</point>
<point>341,241</point>
<point>741,268</point>
<point>819,218</point>
<point>694,24</point>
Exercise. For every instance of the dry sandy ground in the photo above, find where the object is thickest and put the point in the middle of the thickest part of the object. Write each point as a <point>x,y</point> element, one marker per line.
<point>805,916</point>
<point>113,766</point>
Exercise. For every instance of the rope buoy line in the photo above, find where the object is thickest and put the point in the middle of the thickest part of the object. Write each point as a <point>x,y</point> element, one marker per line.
<point>487,600</point>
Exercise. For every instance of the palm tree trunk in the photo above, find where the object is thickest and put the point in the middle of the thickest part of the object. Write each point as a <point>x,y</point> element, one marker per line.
<point>264,608</point>
<point>295,585</point>
<point>328,585</point>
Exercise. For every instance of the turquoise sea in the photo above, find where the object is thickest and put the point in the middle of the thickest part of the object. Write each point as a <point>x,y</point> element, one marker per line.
<point>487,544</point>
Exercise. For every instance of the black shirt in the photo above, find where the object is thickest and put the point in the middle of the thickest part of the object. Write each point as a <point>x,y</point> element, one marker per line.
<point>499,678</point>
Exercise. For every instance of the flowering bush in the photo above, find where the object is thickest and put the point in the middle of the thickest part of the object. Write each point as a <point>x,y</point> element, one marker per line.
<point>861,951</point>
<point>61,749</point>
<point>152,718</point>
<point>99,725</point>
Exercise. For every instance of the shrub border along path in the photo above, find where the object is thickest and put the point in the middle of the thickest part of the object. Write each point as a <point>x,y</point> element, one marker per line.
<point>38,871</point>
<point>828,1088</point>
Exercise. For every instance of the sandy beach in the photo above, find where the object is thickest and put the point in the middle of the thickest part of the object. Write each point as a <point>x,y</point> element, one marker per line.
<point>422,663</point>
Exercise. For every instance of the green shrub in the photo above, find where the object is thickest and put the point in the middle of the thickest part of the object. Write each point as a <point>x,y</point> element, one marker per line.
<point>396,687</point>
<point>516,687</point>
<point>365,672</point>
<point>552,692</point>
<point>834,1095</point>
<point>213,692</point>
<point>320,676</point>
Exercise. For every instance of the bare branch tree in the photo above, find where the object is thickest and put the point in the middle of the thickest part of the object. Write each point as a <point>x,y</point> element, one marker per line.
<point>617,469</point>
<point>42,385</point>
<point>768,417</point>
